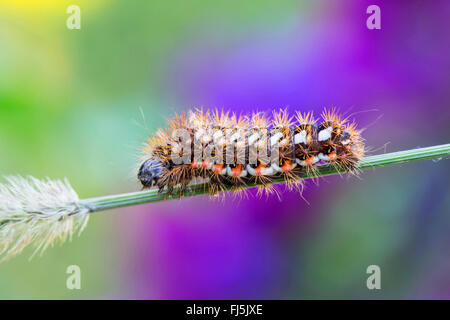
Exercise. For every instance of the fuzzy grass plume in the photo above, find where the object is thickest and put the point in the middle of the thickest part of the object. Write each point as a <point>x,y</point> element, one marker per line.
<point>38,213</point>
<point>41,212</point>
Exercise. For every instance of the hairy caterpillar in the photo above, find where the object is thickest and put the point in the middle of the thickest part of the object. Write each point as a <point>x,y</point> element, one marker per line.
<point>225,149</point>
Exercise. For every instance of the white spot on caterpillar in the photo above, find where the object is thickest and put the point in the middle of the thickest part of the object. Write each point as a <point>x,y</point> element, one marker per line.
<point>300,162</point>
<point>218,134</point>
<point>235,137</point>
<point>304,164</point>
<point>325,134</point>
<point>253,138</point>
<point>199,133</point>
<point>276,167</point>
<point>240,144</point>
<point>268,171</point>
<point>323,157</point>
<point>206,138</point>
<point>293,165</point>
<point>275,138</point>
<point>345,142</point>
<point>230,172</point>
<point>300,137</point>
<point>261,143</point>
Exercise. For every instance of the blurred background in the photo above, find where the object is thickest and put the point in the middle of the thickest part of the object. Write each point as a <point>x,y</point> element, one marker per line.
<point>80,103</point>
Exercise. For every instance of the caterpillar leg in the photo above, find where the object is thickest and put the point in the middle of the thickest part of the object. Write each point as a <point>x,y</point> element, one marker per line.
<point>293,180</point>
<point>215,185</point>
<point>169,192</point>
<point>160,190</point>
<point>182,190</point>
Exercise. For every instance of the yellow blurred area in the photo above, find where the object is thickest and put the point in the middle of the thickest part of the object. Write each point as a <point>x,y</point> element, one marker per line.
<point>31,5</point>
<point>34,36</point>
<point>45,7</point>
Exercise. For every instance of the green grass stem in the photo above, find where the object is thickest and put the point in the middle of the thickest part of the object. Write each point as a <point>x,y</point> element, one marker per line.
<point>371,162</point>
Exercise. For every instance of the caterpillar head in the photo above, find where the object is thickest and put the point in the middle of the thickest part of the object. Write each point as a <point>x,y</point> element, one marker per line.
<point>150,172</point>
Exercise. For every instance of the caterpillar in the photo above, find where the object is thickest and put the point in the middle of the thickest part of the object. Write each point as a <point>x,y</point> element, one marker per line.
<point>224,149</point>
